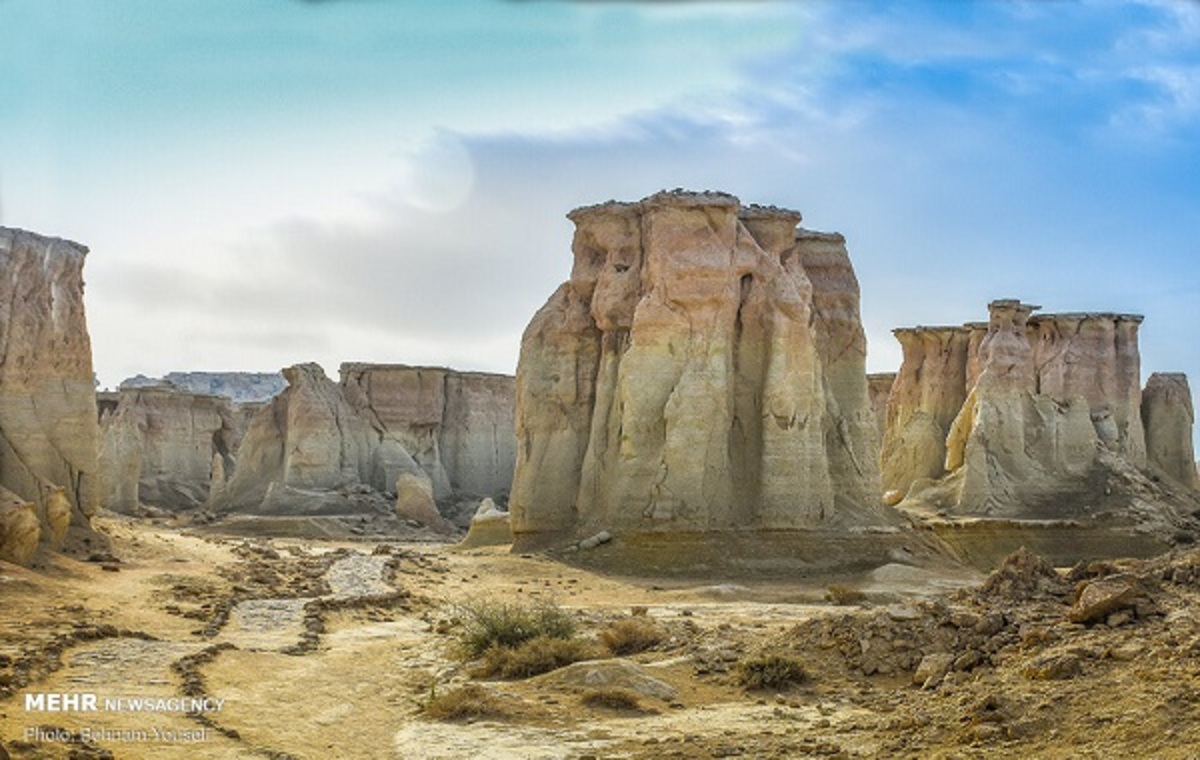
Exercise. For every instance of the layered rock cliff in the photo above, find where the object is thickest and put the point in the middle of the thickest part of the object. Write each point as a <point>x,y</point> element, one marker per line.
<point>48,430</point>
<point>416,435</point>
<point>1038,417</point>
<point>457,425</point>
<point>701,371</point>
<point>159,445</point>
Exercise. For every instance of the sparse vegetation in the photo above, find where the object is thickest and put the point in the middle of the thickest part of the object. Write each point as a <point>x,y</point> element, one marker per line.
<point>470,701</point>
<point>769,671</point>
<point>844,595</point>
<point>487,625</point>
<point>534,657</point>
<point>611,698</point>
<point>631,635</point>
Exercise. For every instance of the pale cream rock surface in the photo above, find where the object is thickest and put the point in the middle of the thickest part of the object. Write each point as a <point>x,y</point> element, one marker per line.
<point>879,389</point>
<point>414,501</point>
<point>458,426</point>
<point>1168,418</point>
<point>490,526</point>
<point>49,435</point>
<point>159,445</point>
<point>676,382</point>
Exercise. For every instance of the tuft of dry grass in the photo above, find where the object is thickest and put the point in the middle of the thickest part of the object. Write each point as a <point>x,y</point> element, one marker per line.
<point>844,595</point>
<point>611,698</point>
<point>769,671</point>
<point>631,635</point>
<point>470,701</point>
<point>534,657</point>
<point>490,624</point>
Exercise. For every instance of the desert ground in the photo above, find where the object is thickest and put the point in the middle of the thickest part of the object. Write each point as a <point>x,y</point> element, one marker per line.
<point>337,650</point>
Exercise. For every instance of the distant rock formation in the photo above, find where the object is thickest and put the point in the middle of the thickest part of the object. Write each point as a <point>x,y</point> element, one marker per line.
<point>879,388</point>
<point>1168,418</point>
<point>702,371</point>
<point>159,444</point>
<point>241,387</point>
<point>1036,417</point>
<point>407,437</point>
<point>489,527</point>
<point>457,425</point>
<point>48,431</point>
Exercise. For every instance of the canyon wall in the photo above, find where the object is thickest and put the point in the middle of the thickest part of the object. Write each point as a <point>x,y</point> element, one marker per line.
<point>159,444</point>
<point>418,435</point>
<point>48,431</point>
<point>1030,417</point>
<point>693,376</point>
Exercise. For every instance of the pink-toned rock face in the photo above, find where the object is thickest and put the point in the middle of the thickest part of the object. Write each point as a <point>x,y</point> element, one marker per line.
<point>48,429</point>
<point>676,383</point>
<point>1028,413</point>
<point>1168,417</point>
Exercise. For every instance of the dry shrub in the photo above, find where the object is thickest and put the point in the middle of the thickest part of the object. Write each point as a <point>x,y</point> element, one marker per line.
<point>844,595</point>
<point>488,625</point>
<point>534,657</point>
<point>470,701</point>
<point>631,635</point>
<point>612,698</point>
<point>769,671</point>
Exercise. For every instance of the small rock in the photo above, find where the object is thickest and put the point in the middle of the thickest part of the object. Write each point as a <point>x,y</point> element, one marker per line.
<point>932,669</point>
<point>1055,667</point>
<point>1098,598</point>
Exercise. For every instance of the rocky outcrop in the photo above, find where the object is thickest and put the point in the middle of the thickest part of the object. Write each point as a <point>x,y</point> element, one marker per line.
<point>20,529</point>
<point>1038,418</point>
<point>701,372</point>
<point>309,452</point>
<point>48,430</point>
<point>879,388</point>
<point>160,445</point>
<point>1168,418</point>
<point>241,387</point>
<point>490,526</point>
<point>458,426</point>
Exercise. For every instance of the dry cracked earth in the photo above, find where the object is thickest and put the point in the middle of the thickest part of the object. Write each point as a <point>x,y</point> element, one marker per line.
<point>331,650</point>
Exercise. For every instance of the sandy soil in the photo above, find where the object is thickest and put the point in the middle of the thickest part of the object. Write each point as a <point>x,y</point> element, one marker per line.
<point>329,650</point>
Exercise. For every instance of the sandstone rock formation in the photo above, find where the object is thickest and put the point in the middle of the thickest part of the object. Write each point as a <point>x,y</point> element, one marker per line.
<point>389,437</point>
<point>160,445</point>
<point>1168,418</point>
<point>879,388</point>
<point>48,430</point>
<point>20,530</point>
<point>457,425</point>
<point>309,452</point>
<point>701,371</point>
<point>1036,418</point>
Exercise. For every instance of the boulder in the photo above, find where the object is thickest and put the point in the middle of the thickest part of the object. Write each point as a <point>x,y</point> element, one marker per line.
<point>1098,598</point>
<point>20,529</point>
<point>414,501</point>
<point>489,527</point>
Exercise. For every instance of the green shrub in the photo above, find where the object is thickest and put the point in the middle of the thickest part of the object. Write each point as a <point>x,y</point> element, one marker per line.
<point>534,657</point>
<point>487,624</point>
<point>631,635</point>
<point>470,701</point>
<point>769,671</point>
<point>612,698</point>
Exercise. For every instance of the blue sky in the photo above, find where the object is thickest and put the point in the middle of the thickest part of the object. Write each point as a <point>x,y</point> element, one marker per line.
<point>264,182</point>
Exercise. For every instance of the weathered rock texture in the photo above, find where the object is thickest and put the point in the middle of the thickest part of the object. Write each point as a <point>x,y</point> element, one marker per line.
<point>457,425</point>
<point>48,431</point>
<point>701,371</point>
<point>1167,417</point>
<point>1039,417</point>
<point>416,435</point>
<point>160,445</point>
<point>879,389</point>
